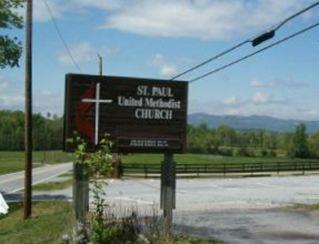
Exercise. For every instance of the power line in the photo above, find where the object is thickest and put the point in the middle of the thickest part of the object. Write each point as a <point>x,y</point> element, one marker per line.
<point>244,42</point>
<point>255,53</point>
<point>296,15</point>
<point>210,59</point>
<point>61,36</point>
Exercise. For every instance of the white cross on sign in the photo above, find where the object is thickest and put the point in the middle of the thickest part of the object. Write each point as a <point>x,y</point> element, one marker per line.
<point>97,102</point>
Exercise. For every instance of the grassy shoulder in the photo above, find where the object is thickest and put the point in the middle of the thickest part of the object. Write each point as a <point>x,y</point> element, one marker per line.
<point>193,240</point>
<point>49,222</point>
<point>53,186</point>
<point>304,207</point>
<point>12,161</point>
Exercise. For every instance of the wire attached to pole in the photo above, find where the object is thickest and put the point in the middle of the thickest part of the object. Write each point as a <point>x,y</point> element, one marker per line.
<point>61,36</point>
<point>255,53</point>
<point>253,40</point>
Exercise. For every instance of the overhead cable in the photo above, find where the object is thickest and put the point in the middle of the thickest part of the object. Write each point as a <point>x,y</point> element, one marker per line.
<point>61,36</point>
<point>272,31</point>
<point>255,53</point>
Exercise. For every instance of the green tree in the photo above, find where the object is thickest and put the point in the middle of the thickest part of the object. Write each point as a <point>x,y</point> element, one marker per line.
<point>10,46</point>
<point>226,135</point>
<point>200,139</point>
<point>300,142</point>
<point>314,145</point>
<point>47,133</point>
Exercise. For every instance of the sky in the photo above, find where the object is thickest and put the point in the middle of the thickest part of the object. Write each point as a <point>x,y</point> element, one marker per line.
<point>161,38</point>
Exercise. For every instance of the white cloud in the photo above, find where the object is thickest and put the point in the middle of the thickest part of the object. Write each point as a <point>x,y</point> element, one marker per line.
<point>166,69</point>
<point>48,101</point>
<point>308,112</point>
<point>261,98</point>
<point>204,19</point>
<point>59,8</point>
<point>286,82</point>
<point>256,83</point>
<point>260,84</point>
<point>41,13</point>
<point>110,52</point>
<point>11,101</point>
<point>101,4</point>
<point>82,52</point>
<point>232,101</point>
<point>12,97</point>
<point>3,84</point>
<point>279,82</point>
<point>232,111</point>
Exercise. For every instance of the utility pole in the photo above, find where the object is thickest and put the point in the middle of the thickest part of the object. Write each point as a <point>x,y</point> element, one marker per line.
<point>28,113</point>
<point>116,159</point>
<point>100,64</point>
<point>81,180</point>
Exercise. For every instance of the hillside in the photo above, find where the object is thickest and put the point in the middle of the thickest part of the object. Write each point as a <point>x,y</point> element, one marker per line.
<point>250,122</point>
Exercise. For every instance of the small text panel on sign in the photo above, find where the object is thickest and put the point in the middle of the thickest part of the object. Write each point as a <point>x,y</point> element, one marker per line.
<point>141,115</point>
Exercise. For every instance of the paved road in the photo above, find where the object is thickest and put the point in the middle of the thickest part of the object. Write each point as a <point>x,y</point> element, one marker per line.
<point>238,211</point>
<point>14,182</point>
<point>221,194</point>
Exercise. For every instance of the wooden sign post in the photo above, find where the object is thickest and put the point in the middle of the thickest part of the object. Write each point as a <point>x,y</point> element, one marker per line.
<point>80,192</point>
<point>140,115</point>
<point>168,194</point>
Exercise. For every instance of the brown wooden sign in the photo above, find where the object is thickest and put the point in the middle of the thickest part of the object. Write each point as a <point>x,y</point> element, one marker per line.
<point>141,115</point>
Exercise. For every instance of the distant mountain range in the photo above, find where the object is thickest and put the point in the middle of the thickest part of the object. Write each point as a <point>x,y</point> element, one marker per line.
<point>250,122</point>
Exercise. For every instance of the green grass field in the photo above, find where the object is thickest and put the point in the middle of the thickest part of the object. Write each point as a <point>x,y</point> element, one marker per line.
<point>14,161</point>
<point>203,159</point>
<point>49,222</point>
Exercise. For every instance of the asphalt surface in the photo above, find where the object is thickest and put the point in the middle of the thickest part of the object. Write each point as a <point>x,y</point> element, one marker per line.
<point>237,211</point>
<point>11,183</point>
<point>220,194</point>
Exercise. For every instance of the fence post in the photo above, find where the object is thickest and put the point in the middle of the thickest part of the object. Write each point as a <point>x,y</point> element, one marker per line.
<point>145,171</point>
<point>117,165</point>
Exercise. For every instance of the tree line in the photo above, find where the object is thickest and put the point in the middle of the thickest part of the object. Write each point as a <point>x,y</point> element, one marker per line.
<point>47,131</point>
<point>224,140</point>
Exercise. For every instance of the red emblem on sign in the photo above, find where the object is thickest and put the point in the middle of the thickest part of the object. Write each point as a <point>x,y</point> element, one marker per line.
<point>83,124</point>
